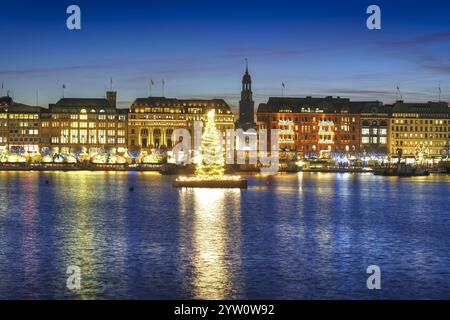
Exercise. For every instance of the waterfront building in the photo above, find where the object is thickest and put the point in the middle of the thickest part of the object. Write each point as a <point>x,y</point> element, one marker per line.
<point>374,128</point>
<point>420,131</point>
<point>152,120</point>
<point>19,126</point>
<point>313,127</point>
<point>84,125</point>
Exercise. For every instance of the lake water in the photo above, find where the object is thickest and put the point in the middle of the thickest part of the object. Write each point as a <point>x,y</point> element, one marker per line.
<point>292,236</point>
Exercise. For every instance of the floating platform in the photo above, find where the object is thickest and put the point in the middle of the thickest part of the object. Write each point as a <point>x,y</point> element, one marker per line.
<point>217,184</point>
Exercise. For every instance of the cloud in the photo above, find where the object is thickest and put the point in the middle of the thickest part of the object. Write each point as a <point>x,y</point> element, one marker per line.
<point>266,52</point>
<point>421,40</point>
<point>41,71</point>
<point>359,91</point>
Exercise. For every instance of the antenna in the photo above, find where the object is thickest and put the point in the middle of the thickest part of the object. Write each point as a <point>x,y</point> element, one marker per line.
<point>110,84</point>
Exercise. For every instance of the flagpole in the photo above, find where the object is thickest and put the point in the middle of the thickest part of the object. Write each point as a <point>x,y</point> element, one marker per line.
<point>439,93</point>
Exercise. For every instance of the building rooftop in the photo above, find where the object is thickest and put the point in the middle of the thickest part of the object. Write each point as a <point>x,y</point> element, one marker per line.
<point>71,105</point>
<point>310,104</point>
<point>440,108</point>
<point>180,103</point>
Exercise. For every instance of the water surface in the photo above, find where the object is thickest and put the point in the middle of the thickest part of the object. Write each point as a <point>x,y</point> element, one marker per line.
<point>292,236</point>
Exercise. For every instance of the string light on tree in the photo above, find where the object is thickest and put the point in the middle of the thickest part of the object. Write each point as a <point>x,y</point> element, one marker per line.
<point>210,167</point>
<point>211,162</point>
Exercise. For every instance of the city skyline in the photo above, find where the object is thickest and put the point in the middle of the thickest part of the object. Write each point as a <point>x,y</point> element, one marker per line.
<point>200,49</point>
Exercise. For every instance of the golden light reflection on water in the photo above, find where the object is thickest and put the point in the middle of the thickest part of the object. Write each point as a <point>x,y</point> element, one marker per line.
<point>81,232</point>
<point>29,245</point>
<point>210,239</point>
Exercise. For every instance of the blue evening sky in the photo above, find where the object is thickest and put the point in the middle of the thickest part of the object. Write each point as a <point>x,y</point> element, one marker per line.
<point>315,47</point>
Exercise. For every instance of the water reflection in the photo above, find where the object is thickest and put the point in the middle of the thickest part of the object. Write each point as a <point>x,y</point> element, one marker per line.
<point>80,239</point>
<point>29,241</point>
<point>215,240</point>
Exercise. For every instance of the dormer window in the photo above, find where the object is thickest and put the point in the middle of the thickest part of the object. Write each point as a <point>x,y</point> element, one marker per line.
<point>83,111</point>
<point>93,111</point>
<point>102,111</point>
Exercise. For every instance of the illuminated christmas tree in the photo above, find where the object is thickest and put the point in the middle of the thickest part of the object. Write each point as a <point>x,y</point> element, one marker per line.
<point>211,162</point>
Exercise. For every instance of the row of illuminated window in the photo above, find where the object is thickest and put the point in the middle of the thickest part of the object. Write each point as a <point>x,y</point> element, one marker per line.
<point>329,120</point>
<point>375,131</point>
<point>67,132</point>
<point>23,116</point>
<point>25,132</point>
<point>177,109</point>
<point>87,117</point>
<point>179,117</point>
<point>420,128</point>
<point>87,140</point>
<point>307,128</point>
<point>23,139</point>
<point>422,121</point>
<point>374,140</point>
<point>57,124</point>
<point>402,143</point>
<point>421,135</point>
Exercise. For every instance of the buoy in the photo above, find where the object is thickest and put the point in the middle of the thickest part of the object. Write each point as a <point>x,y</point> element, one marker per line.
<point>131,189</point>
<point>46,181</point>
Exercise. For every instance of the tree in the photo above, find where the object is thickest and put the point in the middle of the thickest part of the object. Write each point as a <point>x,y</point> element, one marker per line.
<point>211,161</point>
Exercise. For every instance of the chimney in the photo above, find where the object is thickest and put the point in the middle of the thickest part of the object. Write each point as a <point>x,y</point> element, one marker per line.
<point>111,96</point>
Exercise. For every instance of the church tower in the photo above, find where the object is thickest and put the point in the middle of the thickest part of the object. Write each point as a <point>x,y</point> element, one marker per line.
<point>246,105</point>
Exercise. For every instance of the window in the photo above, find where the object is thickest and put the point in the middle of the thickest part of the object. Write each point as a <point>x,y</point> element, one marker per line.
<point>73,136</point>
<point>83,136</point>
<point>64,136</point>
<point>101,136</point>
<point>365,131</point>
<point>92,137</point>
